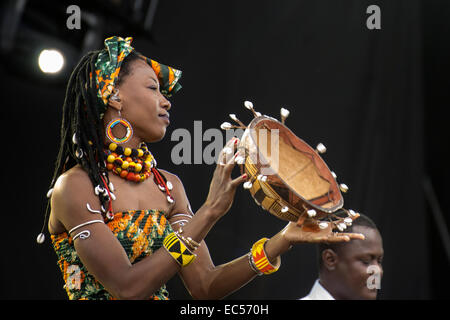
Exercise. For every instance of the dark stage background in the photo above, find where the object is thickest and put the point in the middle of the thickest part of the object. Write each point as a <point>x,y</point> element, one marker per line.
<point>375,98</point>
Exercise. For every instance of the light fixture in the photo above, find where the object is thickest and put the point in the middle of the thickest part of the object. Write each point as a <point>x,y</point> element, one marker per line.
<point>51,61</point>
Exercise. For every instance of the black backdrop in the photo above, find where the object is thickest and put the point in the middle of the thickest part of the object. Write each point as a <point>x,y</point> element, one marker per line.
<point>372,97</point>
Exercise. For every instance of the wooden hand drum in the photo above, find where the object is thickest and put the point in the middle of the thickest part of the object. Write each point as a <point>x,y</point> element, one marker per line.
<point>287,177</point>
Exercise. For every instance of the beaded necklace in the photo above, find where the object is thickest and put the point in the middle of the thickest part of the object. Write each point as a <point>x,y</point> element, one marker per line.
<point>136,165</point>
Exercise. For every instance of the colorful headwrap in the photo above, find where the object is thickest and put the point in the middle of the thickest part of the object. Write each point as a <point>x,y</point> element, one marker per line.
<point>109,62</point>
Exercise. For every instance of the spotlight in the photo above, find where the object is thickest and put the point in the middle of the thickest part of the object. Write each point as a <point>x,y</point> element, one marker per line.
<point>51,61</point>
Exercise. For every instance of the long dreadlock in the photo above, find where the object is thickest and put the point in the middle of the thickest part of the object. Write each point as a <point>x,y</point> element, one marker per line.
<point>82,136</point>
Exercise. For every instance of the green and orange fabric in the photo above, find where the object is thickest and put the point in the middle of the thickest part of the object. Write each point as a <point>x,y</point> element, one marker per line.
<point>109,62</point>
<point>140,232</point>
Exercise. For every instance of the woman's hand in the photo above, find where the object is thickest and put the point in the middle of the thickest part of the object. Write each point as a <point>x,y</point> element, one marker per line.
<point>223,188</point>
<point>310,232</point>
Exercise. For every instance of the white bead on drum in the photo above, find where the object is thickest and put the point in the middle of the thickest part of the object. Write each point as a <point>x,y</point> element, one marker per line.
<point>323,225</point>
<point>248,105</point>
<point>262,178</point>
<point>311,213</point>
<point>284,113</point>
<point>321,148</point>
<point>343,187</point>
<point>225,126</point>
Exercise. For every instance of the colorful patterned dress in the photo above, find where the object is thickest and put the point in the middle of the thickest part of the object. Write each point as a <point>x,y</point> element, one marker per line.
<point>140,232</point>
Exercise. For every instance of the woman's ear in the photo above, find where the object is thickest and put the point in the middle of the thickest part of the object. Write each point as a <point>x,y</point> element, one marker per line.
<point>329,259</point>
<point>115,101</point>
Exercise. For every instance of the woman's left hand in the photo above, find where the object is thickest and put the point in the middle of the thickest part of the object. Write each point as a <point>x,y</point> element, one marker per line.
<point>307,232</point>
<point>223,187</point>
<point>310,232</point>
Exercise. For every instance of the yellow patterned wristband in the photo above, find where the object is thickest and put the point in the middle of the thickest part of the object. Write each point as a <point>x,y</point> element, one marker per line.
<point>178,250</point>
<point>259,258</point>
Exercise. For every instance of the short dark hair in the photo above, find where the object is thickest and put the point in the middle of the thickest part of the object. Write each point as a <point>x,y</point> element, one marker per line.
<point>361,221</point>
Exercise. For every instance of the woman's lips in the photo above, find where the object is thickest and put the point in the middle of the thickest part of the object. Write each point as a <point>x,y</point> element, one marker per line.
<point>165,117</point>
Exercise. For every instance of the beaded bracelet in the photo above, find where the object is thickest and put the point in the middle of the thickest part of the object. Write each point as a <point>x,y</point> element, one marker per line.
<point>188,241</point>
<point>258,259</point>
<point>178,250</point>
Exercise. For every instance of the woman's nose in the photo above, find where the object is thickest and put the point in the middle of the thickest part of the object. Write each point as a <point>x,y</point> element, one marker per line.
<point>165,103</point>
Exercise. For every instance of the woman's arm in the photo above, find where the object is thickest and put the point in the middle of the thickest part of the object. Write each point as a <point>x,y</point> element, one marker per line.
<point>103,255</point>
<point>204,280</point>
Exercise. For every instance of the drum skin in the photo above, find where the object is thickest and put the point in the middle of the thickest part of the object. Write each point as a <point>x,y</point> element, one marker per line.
<point>288,176</point>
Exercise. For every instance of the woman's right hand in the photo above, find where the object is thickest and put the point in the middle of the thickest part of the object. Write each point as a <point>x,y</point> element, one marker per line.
<point>223,188</point>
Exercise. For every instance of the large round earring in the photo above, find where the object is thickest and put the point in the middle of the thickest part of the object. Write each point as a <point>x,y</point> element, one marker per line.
<point>115,122</point>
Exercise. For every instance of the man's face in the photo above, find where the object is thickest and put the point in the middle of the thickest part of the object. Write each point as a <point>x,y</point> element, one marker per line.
<point>356,262</point>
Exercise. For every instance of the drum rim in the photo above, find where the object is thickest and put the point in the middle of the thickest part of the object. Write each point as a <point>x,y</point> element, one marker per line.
<point>333,209</point>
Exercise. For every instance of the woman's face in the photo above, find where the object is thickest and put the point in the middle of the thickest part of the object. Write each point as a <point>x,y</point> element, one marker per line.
<point>142,103</point>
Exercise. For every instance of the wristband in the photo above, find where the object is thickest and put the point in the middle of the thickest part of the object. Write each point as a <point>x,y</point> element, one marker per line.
<point>258,259</point>
<point>178,250</point>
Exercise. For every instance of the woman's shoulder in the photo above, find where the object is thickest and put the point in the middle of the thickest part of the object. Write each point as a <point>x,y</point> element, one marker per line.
<point>72,190</point>
<point>73,179</point>
<point>173,178</point>
<point>182,204</point>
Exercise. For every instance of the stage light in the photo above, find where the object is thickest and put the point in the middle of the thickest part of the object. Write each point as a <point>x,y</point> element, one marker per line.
<point>51,61</point>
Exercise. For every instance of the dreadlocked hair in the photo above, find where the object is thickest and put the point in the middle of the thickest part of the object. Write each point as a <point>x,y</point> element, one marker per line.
<point>81,128</point>
<point>82,136</point>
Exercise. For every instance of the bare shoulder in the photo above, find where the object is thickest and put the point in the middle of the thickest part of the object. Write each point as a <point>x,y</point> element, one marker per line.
<point>71,193</point>
<point>173,178</point>
<point>71,183</point>
<point>178,192</point>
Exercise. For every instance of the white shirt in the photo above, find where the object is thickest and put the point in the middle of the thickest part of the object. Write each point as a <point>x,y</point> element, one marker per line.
<point>318,293</point>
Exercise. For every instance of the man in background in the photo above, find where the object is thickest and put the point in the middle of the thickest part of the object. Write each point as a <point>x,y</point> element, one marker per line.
<point>350,270</point>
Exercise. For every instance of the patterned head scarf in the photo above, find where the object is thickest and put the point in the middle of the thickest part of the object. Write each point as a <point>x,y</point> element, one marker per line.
<point>109,62</point>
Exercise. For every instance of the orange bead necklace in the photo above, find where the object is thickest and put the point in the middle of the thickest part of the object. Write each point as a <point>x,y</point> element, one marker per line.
<point>136,165</point>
